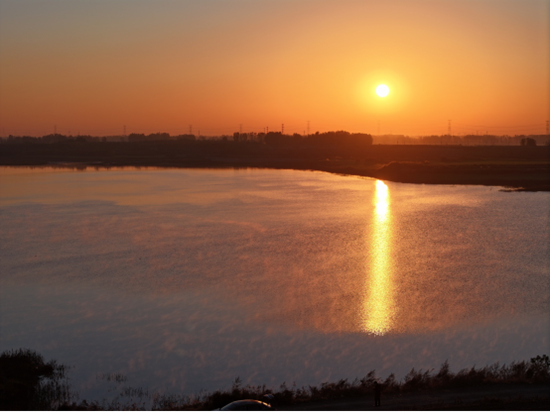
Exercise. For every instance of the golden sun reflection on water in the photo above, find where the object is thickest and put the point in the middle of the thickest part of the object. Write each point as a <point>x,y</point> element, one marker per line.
<point>378,311</point>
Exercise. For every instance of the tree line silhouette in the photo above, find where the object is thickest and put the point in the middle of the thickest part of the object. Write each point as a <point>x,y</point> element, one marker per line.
<point>330,138</point>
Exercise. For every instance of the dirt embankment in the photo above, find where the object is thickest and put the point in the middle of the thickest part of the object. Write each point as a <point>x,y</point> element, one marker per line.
<point>520,168</point>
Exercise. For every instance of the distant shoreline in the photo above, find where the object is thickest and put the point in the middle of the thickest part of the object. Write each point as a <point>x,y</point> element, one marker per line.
<point>514,168</point>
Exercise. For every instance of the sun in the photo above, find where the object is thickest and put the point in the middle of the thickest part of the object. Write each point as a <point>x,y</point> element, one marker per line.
<point>382,90</point>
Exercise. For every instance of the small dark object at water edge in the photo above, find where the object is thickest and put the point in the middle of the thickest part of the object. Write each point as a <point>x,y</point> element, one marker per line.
<point>247,405</point>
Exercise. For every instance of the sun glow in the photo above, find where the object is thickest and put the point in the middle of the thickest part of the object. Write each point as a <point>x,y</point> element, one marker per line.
<point>378,310</point>
<point>382,90</point>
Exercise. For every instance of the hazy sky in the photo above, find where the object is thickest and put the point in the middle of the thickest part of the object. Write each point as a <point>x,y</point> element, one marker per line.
<point>95,66</point>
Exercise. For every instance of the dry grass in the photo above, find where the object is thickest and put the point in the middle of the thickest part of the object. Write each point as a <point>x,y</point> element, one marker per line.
<point>537,370</point>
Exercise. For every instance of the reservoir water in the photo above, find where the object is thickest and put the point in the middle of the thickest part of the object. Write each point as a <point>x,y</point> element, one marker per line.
<point>184,279</point>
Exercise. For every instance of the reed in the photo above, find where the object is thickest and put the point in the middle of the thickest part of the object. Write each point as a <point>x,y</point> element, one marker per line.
<point>24,372</point>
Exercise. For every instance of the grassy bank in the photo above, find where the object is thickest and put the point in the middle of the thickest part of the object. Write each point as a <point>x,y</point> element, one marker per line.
<point>537,370</point>
<point>28,382</point>
<point>516,167</point>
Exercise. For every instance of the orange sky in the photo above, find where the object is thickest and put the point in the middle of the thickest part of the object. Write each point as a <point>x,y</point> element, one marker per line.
<point>93,67</point>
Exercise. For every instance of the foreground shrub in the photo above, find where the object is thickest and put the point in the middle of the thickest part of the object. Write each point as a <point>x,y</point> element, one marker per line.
<point>27,382</point>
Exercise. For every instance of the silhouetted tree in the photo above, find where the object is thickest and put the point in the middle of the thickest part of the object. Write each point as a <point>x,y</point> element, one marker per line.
<point>187,137</point>
<point>528,141</point>
<point>340,139</point>
<point>158,136</point>
<point>29,383</point>
<point>136,137</point>
<point>276,138</point>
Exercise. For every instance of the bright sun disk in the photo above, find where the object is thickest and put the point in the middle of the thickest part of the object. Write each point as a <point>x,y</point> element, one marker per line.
<point>382,90</point>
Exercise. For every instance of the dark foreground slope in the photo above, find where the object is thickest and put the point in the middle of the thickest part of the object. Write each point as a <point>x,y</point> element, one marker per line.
<point>518,167</point>
<point>500,397</point>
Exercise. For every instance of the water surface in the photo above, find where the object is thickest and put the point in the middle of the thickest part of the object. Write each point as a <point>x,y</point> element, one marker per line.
<point>184,279</point>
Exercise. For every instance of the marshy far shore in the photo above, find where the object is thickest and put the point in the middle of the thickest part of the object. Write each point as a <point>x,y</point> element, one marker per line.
<point>514,168</point>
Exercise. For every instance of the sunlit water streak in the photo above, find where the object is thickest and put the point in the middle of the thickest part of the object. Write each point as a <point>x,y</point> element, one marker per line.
<point>379,306</point>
